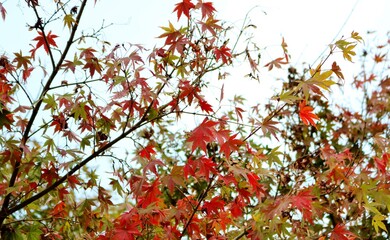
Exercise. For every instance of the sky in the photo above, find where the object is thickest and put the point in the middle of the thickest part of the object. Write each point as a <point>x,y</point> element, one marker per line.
<point>308,26</point>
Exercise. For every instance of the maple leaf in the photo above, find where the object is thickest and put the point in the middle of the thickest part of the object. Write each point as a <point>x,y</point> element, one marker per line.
<point>207,8</point>
<point>73,181</point>
<point>176,177</point>
<point>203,134</point>
<point>239,112</point>
<point>381,163</point>
<point>125,233</point>
<point>210,25</point>
<point>22,60</point>
<point>206,165</point>
<point>214,205</point>
<point>341,233</point>
<point>147,152</point>
<point>59,210</point>
<point>69,21</point>
<point>306,114</point>
<point>277,207</point>
<point>268,126</point>
<point>230,145</point>
<point>171,34</point>
<point>93,65</point>
<point>303,202</point>
<point>379,58</point>
<point>26,73</point>
<point>188,91</point>
<point>222,53</point>
<point>151,193</point>
<point>356,36</point>
<point>275,63</point>
<point>337,70</point>
<point>2,11</point>
<point>205,106</point>
<point>184,8</point>
<point>151,166</point>
<point>236,207</point>
<point>41,41</point>
<point>71,65</point>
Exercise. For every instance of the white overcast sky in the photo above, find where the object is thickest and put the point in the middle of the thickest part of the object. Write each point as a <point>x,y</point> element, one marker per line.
<point>308,26</point>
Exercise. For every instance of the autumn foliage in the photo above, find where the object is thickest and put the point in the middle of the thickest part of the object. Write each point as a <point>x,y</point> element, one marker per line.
<point>179,160</point>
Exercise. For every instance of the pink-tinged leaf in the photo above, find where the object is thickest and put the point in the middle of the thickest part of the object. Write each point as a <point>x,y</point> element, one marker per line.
<point>210,25</point>
<point>340,232</point>
<point>276,63</point>
<point>277,207</point>
<point>268,126</point>
<point>184,8</point>
<point>152,166</point>
<point>2,11</point>
<point>206,7</point>
<point>223,53</point>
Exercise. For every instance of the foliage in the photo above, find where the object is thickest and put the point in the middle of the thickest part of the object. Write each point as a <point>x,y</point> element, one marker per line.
<point>315,170</point>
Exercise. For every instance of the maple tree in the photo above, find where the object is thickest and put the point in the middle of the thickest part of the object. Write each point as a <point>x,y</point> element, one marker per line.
<point>178,161</point>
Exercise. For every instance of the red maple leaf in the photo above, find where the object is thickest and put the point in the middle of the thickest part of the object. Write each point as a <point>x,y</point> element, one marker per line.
<point>203,134</point>
<point>151,193</point>
<point>42,42</point>
<point>231,144</point>
<point>188,91</point>
<point>306,114</point>
<point>206,165</point>
<point>73,181</point>
<point>341,233</point>
<point>237,206</point>
<point>303,202</point>
<point>147,152</point>
<point>184,8</point>
<point>59,210</point>
<point>223,53</point>
<point>214,205</point>
<point>381,163</point>
<point>205,106</point>
<point>125,234</point>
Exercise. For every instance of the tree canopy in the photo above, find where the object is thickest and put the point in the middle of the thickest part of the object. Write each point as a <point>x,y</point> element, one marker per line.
<point>181,158</point>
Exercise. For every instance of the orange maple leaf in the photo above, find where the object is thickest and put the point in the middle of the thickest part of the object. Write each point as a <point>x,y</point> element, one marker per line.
<point>306,114</point>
